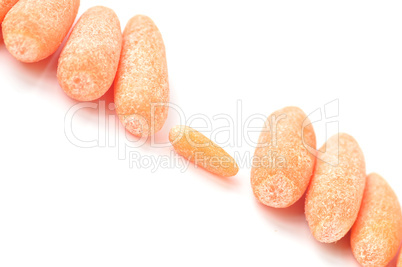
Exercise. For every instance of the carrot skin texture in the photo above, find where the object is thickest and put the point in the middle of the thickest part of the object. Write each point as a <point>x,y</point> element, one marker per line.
<point>377,232</point>
<point>34,29</point>
<point>282,164</point>
<point>336,190</point>
<point>199,149</point>
<point>5,6</point>
<point>142,85</point>
<point>88,63</point>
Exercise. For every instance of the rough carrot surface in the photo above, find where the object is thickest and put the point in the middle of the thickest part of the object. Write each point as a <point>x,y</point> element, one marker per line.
<point>336,191</point>
<point>141,86</point>
<point>282,165</point>
<point>377,233</point>
<point>34,29</point>
<point>197,148</point>
<point>5,6</point>
<point>399,263</point>
<point>89,61</point>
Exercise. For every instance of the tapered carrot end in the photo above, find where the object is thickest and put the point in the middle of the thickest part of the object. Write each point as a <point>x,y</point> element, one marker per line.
<point>197,148</point>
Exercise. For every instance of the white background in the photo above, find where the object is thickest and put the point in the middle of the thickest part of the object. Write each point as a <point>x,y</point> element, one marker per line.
<point>62,205</point>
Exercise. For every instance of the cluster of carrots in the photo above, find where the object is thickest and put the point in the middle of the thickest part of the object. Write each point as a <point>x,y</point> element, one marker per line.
<point>340,196</point>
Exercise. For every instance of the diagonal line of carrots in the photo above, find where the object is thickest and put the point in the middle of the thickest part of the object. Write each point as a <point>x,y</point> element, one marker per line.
<point>340,197</point>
